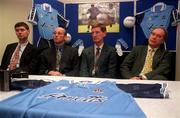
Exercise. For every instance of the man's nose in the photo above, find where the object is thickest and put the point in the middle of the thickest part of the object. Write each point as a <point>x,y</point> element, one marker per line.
<point>19,32</point>
<point>94,34</point>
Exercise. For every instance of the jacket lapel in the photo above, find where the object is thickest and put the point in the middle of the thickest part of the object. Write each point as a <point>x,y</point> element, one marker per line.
<point>91,57</point>
<point>157,56</point>
<point>11,51</point>
<point>25,52</point>
<point>102,54</point>
<point>142,58</point>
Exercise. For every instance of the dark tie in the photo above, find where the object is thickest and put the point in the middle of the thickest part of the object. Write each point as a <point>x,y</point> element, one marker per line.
<point>97,54</point>
<point>58,58</point>
<point>15,58</point>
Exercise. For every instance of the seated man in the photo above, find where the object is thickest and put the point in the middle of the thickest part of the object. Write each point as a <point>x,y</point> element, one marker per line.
<point>60,59</point>
<point>18,56</point>
<point>99,60</point>
<point>148,62</point>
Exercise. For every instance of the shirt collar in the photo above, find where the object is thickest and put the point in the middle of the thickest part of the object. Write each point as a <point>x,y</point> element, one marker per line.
<point>47,7</point>
<point>149,48</point>
<point>60,46</point>
<point>101,46</point>
<point>23,44</point>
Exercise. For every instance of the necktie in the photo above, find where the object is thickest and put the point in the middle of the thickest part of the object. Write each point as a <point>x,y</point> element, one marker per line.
<point>148,62</point>
<point>97,54</point>
<point>14,59</point>
<point>58,58</point>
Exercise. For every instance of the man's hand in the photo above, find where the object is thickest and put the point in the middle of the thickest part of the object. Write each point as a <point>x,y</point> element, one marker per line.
<point>55,73</point>
<point>136,78</point>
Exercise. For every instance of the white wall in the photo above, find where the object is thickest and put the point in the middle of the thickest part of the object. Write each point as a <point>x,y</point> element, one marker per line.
<point>12,11</point>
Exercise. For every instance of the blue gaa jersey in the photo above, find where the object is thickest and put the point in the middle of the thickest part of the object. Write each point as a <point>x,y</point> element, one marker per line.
<point>158,15</point>
<point>66,99</point>
<point>46,18</point>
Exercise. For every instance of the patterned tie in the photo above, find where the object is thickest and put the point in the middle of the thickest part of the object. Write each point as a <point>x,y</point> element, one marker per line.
<point>97,54</point>
<point>148,62</point>
<point>58,58</point>
<point>14,59</point>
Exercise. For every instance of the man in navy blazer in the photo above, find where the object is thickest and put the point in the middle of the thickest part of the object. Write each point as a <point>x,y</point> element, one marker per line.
<point>105,65</point>
<point>27,51</point>
<point>68,64</point>
<point>134,64</point>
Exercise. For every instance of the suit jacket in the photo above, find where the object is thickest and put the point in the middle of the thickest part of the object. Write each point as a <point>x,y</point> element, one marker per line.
<point>134,62</point>
<point>106,63</point>
<point>27,56</point>
<point>69,64</point>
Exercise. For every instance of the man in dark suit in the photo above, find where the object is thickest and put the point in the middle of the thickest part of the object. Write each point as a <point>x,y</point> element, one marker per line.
<point>60,59</point>
<point>18,56</point>
<point>99,60</point>
<point>135,64</point>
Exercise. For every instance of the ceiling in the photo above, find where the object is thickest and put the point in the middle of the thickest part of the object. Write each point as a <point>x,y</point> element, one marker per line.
<point>91,1</point>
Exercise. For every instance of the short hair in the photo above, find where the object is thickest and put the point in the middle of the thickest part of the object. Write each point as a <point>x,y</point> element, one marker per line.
<point>164,29</point>
<point>23,24</point>
<point>65,30</point>
<point>101,26</point>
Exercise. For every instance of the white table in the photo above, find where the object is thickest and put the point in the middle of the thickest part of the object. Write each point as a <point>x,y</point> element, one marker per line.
<point>153,108</point>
